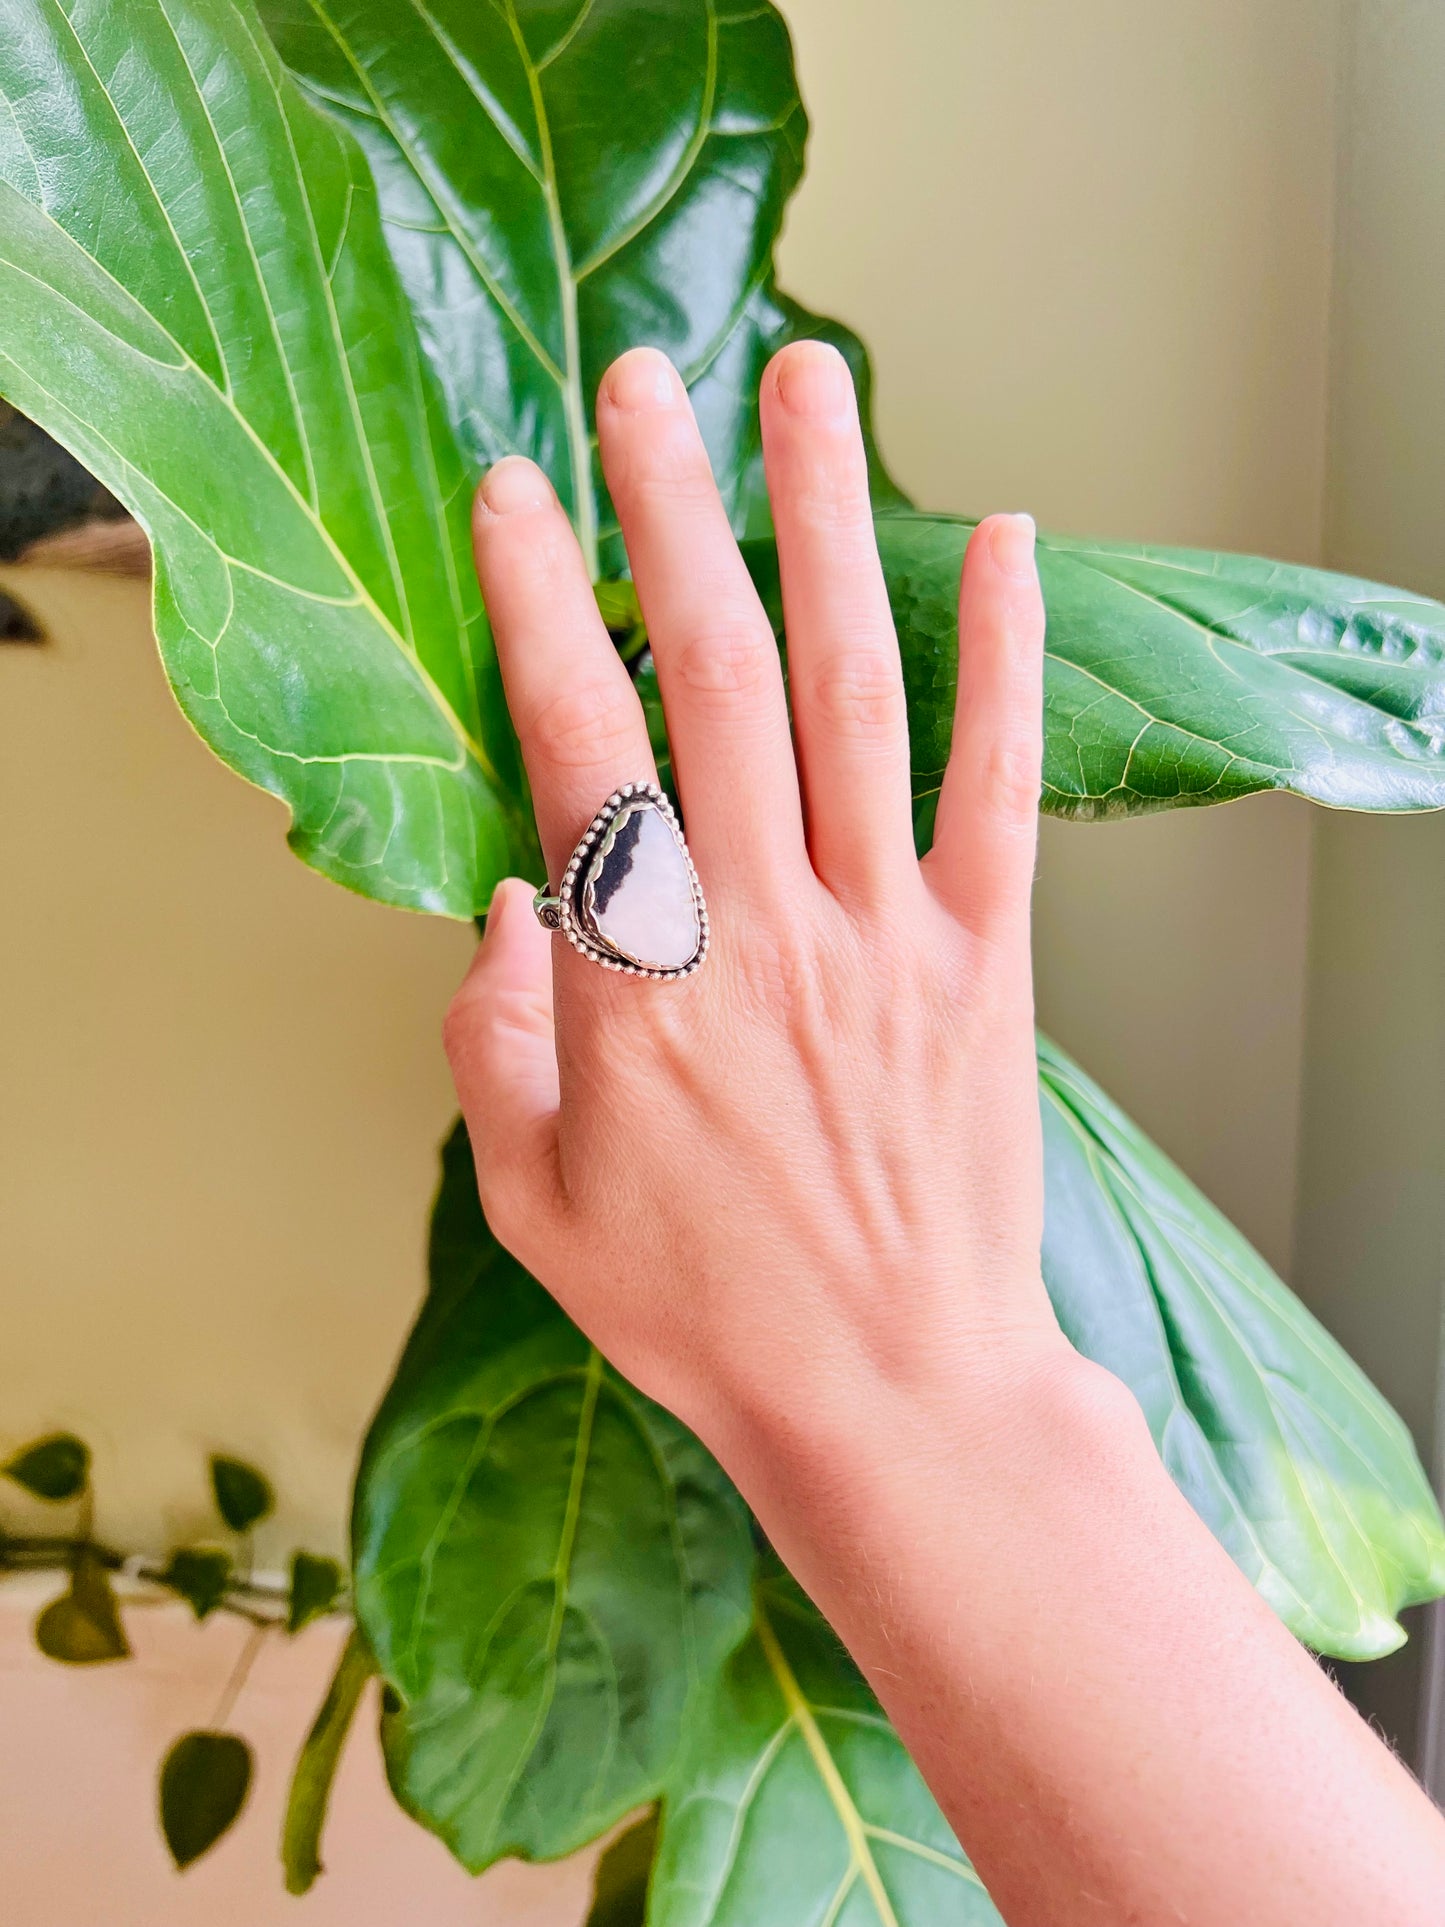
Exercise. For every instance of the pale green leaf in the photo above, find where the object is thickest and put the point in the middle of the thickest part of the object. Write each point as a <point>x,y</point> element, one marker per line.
<point>795,1800</point>
<point>1274,1435</point>
<point>199,304</point>
<point>1177,677</point>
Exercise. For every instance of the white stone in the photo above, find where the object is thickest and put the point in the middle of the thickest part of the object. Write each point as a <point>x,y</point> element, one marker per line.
<point>648,913</point>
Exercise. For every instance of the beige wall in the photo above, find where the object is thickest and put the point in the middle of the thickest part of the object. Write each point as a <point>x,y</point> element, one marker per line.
<point>1091,249</point>
<point>1371,1239</point>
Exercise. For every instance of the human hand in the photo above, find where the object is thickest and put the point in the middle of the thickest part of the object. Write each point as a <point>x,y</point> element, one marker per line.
<point>824,1146</point>
<point>797,1196</point>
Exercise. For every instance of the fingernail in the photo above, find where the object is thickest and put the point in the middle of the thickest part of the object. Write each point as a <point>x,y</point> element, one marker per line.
<point>515,483</point>
<point>813,379</point>
<point>642,378</point>
<point>1012,544</point>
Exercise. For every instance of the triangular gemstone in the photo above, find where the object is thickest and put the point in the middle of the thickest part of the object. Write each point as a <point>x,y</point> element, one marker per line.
<point>636,898</point>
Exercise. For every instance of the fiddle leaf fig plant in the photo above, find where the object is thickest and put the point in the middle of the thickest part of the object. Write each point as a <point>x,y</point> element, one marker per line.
<point>286,275</point>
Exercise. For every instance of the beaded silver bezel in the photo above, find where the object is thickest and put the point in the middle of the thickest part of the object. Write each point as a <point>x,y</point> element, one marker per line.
<point>560,913</point>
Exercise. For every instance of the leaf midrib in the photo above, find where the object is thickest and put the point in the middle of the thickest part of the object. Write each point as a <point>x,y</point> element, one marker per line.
<point>574,407</point>
<point>1095,1150</point>
<point>861,1862</point>
<point>187,364</point>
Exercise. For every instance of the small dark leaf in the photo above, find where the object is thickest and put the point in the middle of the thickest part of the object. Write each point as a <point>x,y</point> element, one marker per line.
<point>243,1496</point>
<point>204,1782</point>
<point>314,1586</point>
<point>200,1575</point>
<point>619,1893</point>
<point>52,1468</point>
<point>17,624</point>
<point>83,1626</point>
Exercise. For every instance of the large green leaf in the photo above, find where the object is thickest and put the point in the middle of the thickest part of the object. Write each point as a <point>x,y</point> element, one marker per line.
<point>1274,1435</point>
<point>561,182</point>
<point>795,1800</point>
<point>1176,676</point>
<point>546,1564</point>
<point>198,302</point>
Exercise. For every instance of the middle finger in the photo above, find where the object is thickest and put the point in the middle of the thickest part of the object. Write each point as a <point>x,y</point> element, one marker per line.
<point>717,662</point>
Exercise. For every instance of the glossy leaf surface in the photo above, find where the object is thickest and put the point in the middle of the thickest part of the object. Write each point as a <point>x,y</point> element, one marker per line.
<point>1275,1436</point>
<point>545,1563</point>
<point>199,304</point>
<point>797,1802</point>
<point>1177,676</point>
<point>203,1786</point>
<point>562,182</point>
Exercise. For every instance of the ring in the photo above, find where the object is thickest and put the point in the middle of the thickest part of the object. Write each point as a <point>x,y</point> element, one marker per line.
<point>629,898</point>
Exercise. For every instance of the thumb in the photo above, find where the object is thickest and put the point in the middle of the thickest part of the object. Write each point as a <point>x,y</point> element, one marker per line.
<point>503,1053</point>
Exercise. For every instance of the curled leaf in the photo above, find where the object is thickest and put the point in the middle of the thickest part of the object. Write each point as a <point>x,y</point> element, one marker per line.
<point>619,1891</point>
<point>243,1496</point>
<point>203,1786</point>
<point>200,1574</point>
<point>315,1584</point>
<point>83,1626</point>
<point>310,1793</point>
<point>55,1468</point>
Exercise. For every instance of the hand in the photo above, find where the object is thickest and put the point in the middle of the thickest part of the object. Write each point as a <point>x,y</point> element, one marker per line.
<point>797,1196</point>
<point>818,1158</point>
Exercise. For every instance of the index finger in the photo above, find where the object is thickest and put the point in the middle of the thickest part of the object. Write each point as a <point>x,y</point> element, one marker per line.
<point>576,713</point>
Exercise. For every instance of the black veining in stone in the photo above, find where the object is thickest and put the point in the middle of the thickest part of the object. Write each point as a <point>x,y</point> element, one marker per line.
<point>614,867</point>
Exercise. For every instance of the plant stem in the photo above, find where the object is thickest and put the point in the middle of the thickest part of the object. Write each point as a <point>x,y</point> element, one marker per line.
<point>240,1672</point>
<point>316,1766</point>
<point>248,1598</point>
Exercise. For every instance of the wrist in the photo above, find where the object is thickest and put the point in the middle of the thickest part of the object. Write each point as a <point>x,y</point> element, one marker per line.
<point>972,1434</point>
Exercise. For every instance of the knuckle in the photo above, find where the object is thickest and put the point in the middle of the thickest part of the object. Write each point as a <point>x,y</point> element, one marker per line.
<point>835,505</point>
<point>671,464</point>
<point>858,691</point>
<point>778,970</point>
<point>679,483</point>
<point>584,725</point>
<point>1012,780</point>
<point>505,1199</point>
<point>725,660</point>
<point>459,1025</point>
<point>538,550</point>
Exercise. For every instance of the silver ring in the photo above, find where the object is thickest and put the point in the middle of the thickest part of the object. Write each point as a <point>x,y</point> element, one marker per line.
<point>629,898</point>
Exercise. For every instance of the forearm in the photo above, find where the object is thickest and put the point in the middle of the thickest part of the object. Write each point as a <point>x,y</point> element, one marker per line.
<point>824,1148</point>
<point>1116,1725</point>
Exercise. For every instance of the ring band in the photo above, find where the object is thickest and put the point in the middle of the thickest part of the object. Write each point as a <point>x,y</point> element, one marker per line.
<point>629,898</point>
